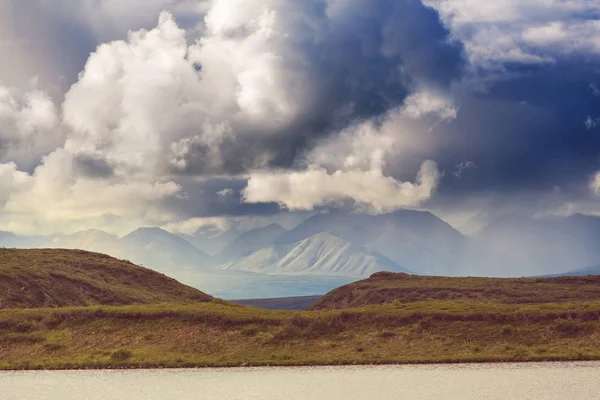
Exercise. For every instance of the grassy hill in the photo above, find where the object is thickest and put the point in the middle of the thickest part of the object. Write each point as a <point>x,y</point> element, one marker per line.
<point>216,334</point>
<point>393,318</point>
<point>299,303</point>
<point>386,288</point>
<point>60,278</point>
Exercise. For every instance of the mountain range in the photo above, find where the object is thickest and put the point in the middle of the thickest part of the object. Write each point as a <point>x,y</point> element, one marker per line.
<point>321,254</point>
<point>416,240</point>
<point>211,239</point>
<point>354,246</point>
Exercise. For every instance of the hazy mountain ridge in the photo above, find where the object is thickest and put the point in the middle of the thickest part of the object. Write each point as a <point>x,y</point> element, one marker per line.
<point>92,240</point>
<point>211,240</point>
<point>591,270</point>
<point>152,247</point>
<point>251,241</point>
<point>12,240</point>
<point>354,245</point>
<point>321,254</point>
<point>172,250</point>
<point>418,240</point>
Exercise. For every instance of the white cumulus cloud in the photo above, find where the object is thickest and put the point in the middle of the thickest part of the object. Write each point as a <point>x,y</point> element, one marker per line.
<point>370,190</point>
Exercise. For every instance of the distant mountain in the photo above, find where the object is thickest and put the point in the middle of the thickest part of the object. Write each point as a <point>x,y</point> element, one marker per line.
<point>250,241</point>
<point>159,249</point>
<point>92,240</point>
<point>418,240</point>
<point>480,221</point>
<point>591,270</point>
<point>321,254</point>
<point>12,240</point>
<point>518,246</point>
<point>212,241</point>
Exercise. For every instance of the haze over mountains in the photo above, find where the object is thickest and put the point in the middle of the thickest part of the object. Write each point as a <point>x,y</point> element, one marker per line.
<point>516,246</point>
<point>211,240</point>
<point>353,246</point>
<point>321,254</point>
<point>250,241</point>
<point>418,241</point>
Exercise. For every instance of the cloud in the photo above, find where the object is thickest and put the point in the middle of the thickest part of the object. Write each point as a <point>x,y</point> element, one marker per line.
<point>331,102</point>
<point>370,190</point>
<point>591,123</point>
<point>462,167</point>
<point>513,31</point>
<point>425,102</point>
<point>225,192</point>
<point>28,126</point>
<point>53,39</point>
<point>57,197</point>
<point>265,80</point>
<point>595,183</point>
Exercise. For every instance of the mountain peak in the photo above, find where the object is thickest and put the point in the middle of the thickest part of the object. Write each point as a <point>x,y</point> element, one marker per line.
<point>320,254</point>
<point>252,240</point>
<point>91,232</point>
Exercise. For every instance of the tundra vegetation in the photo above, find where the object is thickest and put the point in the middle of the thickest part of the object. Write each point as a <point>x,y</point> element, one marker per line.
<point>555,319</point>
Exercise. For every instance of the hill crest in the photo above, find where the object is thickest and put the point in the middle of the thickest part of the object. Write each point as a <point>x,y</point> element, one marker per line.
<point>65,278</point>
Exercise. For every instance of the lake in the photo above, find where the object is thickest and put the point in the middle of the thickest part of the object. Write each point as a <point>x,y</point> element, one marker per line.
<point>544,381</point>
<point>231,285</point>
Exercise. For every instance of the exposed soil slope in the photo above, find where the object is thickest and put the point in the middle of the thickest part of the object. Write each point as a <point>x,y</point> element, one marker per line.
<point>60,278</point>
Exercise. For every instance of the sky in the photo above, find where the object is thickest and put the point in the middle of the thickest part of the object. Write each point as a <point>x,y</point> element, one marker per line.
<point>116,114</point>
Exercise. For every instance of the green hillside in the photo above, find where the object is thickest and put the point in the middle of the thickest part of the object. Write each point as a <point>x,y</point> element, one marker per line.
<point>62,278</point>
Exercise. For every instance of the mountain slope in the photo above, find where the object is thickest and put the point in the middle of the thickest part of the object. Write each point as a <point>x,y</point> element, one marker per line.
<point>92,240</point>
<point>387,288</point>
<point>60,278</point>
<point>211,240</point>
<point>157,248</point>
<point>251,241</point>
<point>415,239</point>
<point>321,254</point>
<point>591,270</point>
<point>11,240</point>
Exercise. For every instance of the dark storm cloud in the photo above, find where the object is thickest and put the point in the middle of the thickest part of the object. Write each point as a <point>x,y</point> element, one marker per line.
<point>529,132</point>
<point>202,199</point>
<point>362,60</point>
<point>52,37</point>
<point>91,167</point>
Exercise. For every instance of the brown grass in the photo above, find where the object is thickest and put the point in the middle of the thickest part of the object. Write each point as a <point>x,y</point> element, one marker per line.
<point>387,288</point>
<point>218,334</point>
<point>59,278</point>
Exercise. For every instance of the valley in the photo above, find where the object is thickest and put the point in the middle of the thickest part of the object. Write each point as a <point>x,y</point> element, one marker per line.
<point>74,309</point>
<point>328,250</point>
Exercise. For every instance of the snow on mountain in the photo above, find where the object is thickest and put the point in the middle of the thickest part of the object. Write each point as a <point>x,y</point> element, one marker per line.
<point>419,240</point>
<point>321,254</point>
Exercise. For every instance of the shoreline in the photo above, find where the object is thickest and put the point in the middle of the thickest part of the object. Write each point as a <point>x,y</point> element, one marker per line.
<point>215,335</point>
<point>218,366</point>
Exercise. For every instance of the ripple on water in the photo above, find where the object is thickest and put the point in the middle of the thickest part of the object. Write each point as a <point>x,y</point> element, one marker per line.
<point>547,381</point>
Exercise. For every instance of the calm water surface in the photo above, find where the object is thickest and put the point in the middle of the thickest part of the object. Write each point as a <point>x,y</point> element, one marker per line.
<point>544,381</point>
